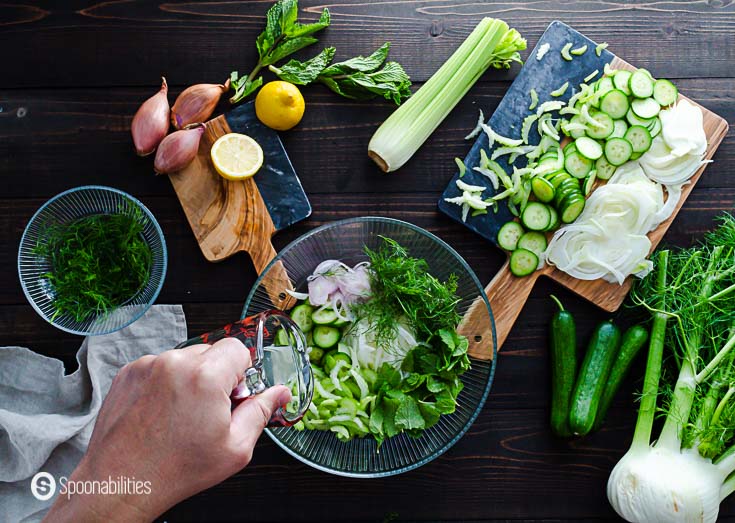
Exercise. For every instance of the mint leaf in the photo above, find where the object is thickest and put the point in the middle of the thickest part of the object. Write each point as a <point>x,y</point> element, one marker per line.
<point>445,402</point>
<point>304,73</point>
<point>288,47</point>
<point>390,407</point>
<point>283,35</point>
<point>359,63</point>
<point>388,377</point>
<point>429,412</point>
<point>408,415</point>
<point>297,29</point>
<point>243,87</point>
<point>435,384</point>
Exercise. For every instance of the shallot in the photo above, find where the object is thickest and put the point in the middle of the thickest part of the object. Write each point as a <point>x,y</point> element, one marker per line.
<point>196,103</point>
<point>178,149</point>
<point>150,123</point>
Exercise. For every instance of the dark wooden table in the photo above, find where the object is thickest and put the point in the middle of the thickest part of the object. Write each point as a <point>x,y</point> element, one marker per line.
<point>73,74</point>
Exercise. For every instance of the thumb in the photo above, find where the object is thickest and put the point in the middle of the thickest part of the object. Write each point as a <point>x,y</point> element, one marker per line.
<point>252,415</point>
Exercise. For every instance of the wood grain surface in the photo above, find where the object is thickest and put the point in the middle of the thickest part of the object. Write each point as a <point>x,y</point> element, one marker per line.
<point>507,294</point>
<point>73,74</point>
<point>230,216</point>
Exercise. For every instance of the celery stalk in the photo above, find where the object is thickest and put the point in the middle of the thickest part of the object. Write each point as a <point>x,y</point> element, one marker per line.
<point>401,135</point>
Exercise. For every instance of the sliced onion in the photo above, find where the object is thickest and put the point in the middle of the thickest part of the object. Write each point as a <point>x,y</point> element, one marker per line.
<point>298,295</point>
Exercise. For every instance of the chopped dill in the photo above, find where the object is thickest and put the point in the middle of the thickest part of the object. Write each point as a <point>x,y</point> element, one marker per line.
<point>98,263</point>
<point>403,287</point>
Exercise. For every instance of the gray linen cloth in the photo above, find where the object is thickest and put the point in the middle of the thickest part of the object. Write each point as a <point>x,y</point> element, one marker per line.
<point>46,417</point>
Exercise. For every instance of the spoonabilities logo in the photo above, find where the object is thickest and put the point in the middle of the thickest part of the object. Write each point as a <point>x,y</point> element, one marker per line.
<point>43,486</point>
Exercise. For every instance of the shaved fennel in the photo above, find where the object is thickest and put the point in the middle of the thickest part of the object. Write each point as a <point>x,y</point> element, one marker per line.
<point>690,469</point>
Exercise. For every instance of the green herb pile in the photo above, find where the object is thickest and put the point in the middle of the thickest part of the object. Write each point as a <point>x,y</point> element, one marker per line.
<point>97,263</point>
<point>408,391</point>
<point>360,78</point>
<point>403,286</point>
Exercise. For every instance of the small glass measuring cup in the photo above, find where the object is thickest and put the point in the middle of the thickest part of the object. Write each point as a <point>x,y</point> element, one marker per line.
<point>279,357</point>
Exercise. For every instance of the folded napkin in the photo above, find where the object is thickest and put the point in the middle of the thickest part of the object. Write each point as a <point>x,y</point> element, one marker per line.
<point>46,417</point>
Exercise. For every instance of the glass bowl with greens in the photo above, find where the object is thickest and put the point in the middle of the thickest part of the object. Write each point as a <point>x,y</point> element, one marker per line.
<point>381,303</point>
<point>92,260</point>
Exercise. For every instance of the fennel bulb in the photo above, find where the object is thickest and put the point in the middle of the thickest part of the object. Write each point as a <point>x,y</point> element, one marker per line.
<point>690,469</point>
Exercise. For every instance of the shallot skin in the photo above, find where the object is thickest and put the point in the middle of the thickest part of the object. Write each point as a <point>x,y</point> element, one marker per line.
<point>151,121</point>
<point>178,150</point>
<point>197,103</point>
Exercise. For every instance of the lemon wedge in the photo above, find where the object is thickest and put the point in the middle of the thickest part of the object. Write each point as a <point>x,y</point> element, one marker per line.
<point>236,156</point>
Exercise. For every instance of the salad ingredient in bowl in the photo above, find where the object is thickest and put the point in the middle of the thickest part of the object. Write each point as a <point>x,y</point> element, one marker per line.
<point>385,351</point>
<point>98,262</point>
<point>381,262</point>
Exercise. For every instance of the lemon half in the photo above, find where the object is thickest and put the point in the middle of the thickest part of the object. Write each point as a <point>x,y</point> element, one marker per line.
<point>236,156</point>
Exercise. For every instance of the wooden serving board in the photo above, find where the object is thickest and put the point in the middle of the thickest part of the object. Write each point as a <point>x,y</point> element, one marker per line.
<point>507,294</point>
<point>232,216</point>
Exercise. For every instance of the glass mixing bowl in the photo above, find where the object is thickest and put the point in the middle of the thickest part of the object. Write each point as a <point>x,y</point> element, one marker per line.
<point>67,207</point>
<point>346,240</point>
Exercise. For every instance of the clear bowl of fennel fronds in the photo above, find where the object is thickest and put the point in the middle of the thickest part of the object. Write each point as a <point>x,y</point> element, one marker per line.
<point>92,260</point>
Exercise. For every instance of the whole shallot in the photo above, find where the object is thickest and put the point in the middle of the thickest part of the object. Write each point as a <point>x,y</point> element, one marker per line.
<point>150,123</point>
<point>196,103</point>
<point>178,149</point>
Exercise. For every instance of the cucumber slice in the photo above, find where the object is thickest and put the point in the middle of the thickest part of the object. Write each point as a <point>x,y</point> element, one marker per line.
<point>664,92</point>
<point>622,81</point>
<point>536,216</point>
<point>572,209</point>
<point>566,189</point>
<point>645,108</point>
<point>588,147</point>
<point>326,337</point>
<point>635,120</point>
<point>523,262</point>
<point>635,156</point>
<point>557,178</point>
<point>554,220</point>
<point>590,182</point>
<point>641,84</point>
<point>639,138</point>
<point>579,132</point>
<point>618,151</point>
<point>533,241</point>
<point>605,126</point>
<point>620,127</point>
<point>604,168</point>
<point>602,87</point>
<point>542,188</point>
<point>509,234</point>
<point>301,315</point>
<point>324,317</point>
<point>615,103</point>
<point>577,165</point>
<point>569,148</point>
<point>654,128</point>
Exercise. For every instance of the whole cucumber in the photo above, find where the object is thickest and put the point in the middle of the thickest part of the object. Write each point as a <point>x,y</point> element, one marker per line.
<point>633,340</point>
<point>598,361</point>
<point>563,354</point>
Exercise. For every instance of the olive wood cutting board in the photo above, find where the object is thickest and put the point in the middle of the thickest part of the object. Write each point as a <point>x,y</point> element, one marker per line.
<point>232,216</point>
<point>507,293</point>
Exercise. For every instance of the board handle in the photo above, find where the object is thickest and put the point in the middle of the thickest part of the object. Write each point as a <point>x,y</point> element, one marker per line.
<point>507,295</point>
<point>276,281</point>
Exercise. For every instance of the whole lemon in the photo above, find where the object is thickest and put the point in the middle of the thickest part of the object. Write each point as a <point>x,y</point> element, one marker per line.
<point>279,105</point>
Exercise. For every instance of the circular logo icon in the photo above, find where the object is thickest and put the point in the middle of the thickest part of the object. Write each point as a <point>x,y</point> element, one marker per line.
<point>43,486</point>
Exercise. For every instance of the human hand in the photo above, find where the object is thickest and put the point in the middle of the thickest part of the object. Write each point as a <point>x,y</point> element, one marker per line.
<point>168,420</point>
